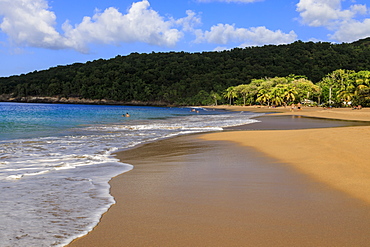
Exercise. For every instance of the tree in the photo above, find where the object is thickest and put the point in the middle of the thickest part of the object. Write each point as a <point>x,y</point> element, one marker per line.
<point>247,91</point>
<point>362,78</point>
<point>361,95</point>
<point>264,96</point>
<point>230,94</point>
<point>276,95</point>
<point>215,97</point>
<point>345,95</point>
<point>178,77</point>
<point>242,90</point>
<point>304,88</point>
<point>336,81</point>
<point>252,93</point>
<point>289,94</point>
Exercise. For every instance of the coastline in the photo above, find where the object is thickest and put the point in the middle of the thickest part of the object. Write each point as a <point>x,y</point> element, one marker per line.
<point>316,112</point>
<point>75,100</point>
<point>333,156</point>
<point>337,157</point>
<point>160,204</point>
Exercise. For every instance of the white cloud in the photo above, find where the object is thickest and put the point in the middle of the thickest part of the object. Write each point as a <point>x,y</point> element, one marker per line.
<point>29,23</point>
<point>320,12</point>
<point>32,23</point>
<point>224,33</point>
<point>360,9</point>
<point>140,24</point>
<point>352,31</point>
<point>221,48</point>
<point>331,15</point>
<point>189,22</point>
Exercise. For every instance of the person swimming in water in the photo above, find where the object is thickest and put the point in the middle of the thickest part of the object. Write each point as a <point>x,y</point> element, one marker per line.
<point>127,115</point>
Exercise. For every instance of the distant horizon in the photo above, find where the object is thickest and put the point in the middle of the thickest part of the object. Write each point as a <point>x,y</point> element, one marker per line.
<point>36,35</point>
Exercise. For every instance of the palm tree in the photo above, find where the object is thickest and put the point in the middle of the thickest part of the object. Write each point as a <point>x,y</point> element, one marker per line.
<point>230,94</point>
<point>289,93</point>
<point>362,78</point>
<point>361,94</point>
<point>361,83</point>
<point>346,92</point>
<point>276,96</point>
<point>264,96</point>
<point>361,89</point>
<point>345,95</point>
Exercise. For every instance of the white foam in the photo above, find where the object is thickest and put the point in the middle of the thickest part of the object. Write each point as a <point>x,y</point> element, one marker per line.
<point>14,176</point>
<point>68,175</point>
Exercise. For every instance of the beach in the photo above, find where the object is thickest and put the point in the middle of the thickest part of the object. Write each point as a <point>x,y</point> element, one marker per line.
<point>245,187</point>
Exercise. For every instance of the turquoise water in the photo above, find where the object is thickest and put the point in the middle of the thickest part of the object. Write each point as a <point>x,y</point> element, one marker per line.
<point>36,120</point>
<point>56,162</point>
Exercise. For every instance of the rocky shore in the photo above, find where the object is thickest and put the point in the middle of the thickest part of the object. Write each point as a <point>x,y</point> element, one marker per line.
<point>75,100</point>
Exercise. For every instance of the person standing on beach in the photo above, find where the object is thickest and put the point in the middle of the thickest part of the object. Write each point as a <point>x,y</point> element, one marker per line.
<point>299,106</point>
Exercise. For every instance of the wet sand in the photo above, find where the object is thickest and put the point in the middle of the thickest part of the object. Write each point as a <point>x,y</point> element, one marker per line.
<point>219,190</point>
<point>292,122</point>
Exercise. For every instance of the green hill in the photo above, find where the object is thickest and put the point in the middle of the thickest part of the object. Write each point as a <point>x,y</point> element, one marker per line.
<point>186,78</point>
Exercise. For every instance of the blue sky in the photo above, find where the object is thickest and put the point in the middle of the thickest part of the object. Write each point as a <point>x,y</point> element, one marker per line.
<point>39,34</point>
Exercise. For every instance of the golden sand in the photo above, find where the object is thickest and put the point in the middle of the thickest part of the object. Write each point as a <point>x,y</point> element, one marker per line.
<point>215,190</point>
<point>334,113</point>
<point>338,157</point>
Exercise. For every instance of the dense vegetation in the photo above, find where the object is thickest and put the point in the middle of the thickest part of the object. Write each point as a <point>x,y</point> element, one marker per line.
<point>339,88</point>
<point>199,78</point>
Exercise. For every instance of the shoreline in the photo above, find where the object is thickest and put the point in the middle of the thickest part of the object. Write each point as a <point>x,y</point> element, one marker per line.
<point>227,141</point>
<point>77,101</point>
<point>338,157</point>
<point>315,112</point>
<point>340,154</point>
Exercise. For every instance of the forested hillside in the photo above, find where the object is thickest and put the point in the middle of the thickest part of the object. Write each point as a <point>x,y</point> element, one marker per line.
<point>187,78</point>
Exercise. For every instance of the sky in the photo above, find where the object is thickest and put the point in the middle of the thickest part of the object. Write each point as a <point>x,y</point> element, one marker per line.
<point>38,34</point>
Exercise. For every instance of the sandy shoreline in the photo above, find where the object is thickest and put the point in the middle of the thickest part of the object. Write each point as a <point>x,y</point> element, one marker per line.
<point>319,112</point>
<point>336,156</point>
<point>328,148</point>
<point>216,190</point>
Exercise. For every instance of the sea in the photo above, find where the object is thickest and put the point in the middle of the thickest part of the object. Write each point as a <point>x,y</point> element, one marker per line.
<point>56,161</point>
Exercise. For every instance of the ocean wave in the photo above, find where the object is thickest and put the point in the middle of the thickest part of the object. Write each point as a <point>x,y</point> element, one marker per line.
<point>63,177</point>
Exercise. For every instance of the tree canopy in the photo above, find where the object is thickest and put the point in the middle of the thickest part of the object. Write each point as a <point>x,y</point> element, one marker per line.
<point>201,78</point>
<point>338,88</point>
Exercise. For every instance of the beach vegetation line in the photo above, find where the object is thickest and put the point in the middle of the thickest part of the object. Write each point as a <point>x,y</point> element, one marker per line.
<point>340,88</point>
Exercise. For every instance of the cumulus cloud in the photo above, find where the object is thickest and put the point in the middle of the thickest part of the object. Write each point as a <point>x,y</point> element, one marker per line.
<point>29,23</point>
<point>351,31</point>
<point>321,12</point>
<point>140,24</point>
<point>32,23</point>
<point>189,22</point>
<point>331,15</point>
<point>223,34</point>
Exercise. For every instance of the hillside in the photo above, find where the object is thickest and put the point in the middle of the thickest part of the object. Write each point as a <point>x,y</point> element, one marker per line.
<point>185,78</point>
